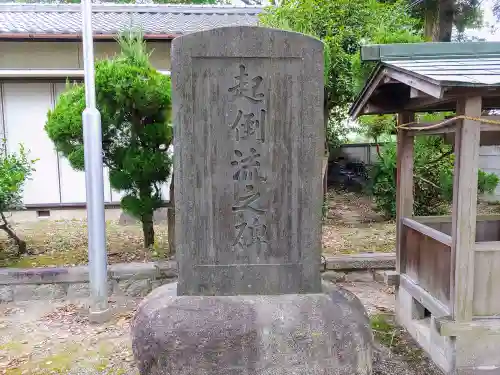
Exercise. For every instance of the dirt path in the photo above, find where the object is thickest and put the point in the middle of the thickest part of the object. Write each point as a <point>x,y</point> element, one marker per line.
<point>42,338</point>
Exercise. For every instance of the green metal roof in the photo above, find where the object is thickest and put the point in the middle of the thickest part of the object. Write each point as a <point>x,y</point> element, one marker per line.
<point>409,51</point>
<point>452,72</point>
<point>439,65</point>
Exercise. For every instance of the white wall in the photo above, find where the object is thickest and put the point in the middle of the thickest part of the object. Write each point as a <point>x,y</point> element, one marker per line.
<point>25,106</point>
<point>23,109</point>
<point>24,113</point>
<point>69,55</point>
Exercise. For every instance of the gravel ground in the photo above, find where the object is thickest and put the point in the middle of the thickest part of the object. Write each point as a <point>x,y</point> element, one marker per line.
<point>404,357</point>
<point>42,338</point>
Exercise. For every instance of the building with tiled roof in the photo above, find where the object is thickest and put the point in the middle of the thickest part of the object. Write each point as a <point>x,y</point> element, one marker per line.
<point>156,21</point>
<point>41,48</point>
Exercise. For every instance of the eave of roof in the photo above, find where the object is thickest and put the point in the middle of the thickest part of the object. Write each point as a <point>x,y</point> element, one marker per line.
<point>157,21</point>
<point>132,8</point>
<point>434,68</point>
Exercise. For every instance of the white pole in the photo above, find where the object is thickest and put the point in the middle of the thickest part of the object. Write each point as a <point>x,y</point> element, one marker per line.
<point>94,181</point>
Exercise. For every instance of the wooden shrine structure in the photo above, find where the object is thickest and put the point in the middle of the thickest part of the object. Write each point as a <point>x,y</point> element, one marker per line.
<point>447,274</point>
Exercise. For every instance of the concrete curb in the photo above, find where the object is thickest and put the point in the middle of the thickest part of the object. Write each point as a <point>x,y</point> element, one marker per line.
<point>363,261</point>
<point>138,279</point>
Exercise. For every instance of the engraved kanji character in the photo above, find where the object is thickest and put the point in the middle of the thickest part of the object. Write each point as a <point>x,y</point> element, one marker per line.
<point>245,201</point>
<point>242,89</point>
<point>250,234</point>
<point>247,125</point>
<point>247,167</point>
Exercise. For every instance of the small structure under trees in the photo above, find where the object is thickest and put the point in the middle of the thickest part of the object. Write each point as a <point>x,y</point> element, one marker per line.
<point>448,267</point>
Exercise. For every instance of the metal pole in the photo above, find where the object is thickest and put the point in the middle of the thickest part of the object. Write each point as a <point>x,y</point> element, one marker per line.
<point>94,181</point>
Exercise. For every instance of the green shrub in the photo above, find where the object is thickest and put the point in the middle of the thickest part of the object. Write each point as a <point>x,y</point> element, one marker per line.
<point>134,100</point>
<point>15,170</point>
<point>433,178</point>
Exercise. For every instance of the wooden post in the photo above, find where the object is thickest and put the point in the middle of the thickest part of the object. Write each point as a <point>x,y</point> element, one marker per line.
<point>404,185</point>
<point>467,142</point>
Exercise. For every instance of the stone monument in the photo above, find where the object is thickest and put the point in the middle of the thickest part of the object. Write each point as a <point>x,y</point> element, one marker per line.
<point>248,151</point>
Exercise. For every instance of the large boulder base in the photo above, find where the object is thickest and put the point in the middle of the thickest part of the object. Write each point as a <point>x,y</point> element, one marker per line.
<point>294,334</point>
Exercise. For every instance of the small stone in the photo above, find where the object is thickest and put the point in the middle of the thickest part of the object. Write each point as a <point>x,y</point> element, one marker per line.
<point>135,288</point>
<point>24,342</point>
<point>6,294</point>
<point>333,276</point>
<point>359,276</point>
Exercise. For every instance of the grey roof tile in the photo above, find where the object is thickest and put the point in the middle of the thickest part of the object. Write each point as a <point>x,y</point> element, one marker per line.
<point>453,72</point>
<point>110,19</point>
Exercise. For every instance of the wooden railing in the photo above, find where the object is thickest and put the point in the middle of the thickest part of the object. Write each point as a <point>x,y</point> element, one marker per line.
<point>426,259</point>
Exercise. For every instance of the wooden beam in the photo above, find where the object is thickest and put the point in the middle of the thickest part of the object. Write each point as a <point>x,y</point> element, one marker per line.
<point>414,93</point>
<point>487,91</point>
<point>447,327</point>
<point>404,185</point>
<point>368,93</point>
<point>423,104</point>
<point>428,231</point>
<point>467,139</point>
<point>487,246</point>
<point>436,308</point>
<point>448,218</point>
<point>420,84</point>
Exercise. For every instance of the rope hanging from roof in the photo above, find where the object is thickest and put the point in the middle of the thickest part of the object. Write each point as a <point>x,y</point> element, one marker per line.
<point>446,122</point>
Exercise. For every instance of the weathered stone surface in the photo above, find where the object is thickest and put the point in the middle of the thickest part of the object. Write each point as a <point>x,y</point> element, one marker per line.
<point>249,139</point>
<point>333,276</point>
<point>39,292</point>
<point>159,282</point>
<point>78,291</point>
<point>134,288</point>
<point>249,146</point>
<point>297,334</point>
<point>6,294</point>
<point>137,270</point>
<point>359,276</point>
<point>362,261</point>
<point>42,275</point>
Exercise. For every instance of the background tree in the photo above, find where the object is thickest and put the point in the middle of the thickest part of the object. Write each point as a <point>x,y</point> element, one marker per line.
<point>433,168</point>
<point>438,17</point>
<point>135,102</point>
<point>343,25</point>
<point>15,170</point>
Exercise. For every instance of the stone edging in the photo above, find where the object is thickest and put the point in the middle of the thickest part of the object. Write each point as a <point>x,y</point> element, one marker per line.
<point>138,279</point>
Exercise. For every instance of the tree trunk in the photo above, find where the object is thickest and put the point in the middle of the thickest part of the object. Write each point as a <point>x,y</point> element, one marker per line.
<point>430,20</point>
<point>446,16</point>
<point>171,220</point>
<point>148,230</point>
<point>438,19</point>
<point>21,245</point>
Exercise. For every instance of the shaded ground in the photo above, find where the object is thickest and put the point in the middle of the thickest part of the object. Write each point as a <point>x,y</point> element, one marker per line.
<point>64,243</point>
<point>41,338</point>
<point>351,225</point>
